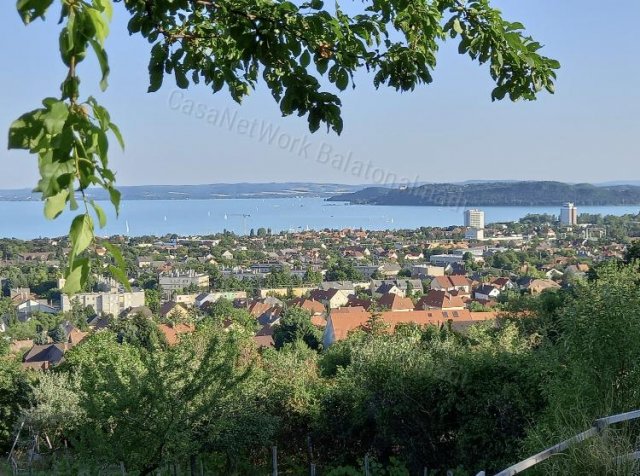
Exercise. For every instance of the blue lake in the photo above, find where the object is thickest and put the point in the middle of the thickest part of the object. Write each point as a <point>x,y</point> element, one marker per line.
<point>197,217</point>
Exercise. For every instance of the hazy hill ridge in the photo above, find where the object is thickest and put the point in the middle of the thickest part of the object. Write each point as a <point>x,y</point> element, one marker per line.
<point>207,191</point>
<point>528,193</point>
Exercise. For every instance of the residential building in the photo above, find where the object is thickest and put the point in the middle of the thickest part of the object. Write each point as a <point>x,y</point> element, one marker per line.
<point>440,300</point>
<point>395,302</point>
<point>426,270</point>
<point>536,286</point>
<point>43,357</point>
<point>445,260</point>
<point>176,281</point>
<point>486,292</point>
<point>174,310</point>
<point>569,214</point>
<point>29,306</point>
<point>203,298</point>
<point>331,298</point>
<point>474,218</point>
<point>460,284</point>
<point>283,292</point>
<point>474,234</point>
<point>104,303</point>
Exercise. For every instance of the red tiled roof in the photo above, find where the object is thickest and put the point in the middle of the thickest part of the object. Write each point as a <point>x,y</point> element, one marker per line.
<point>311,305</point>
<point>395,303</point>
<point>172,333</point>
<point>345,321</point>
<point>264,341</point>
<point>318,321</point>
<point>439,299</point>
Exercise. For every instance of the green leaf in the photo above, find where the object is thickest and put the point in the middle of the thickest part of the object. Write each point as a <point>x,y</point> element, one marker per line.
<point>159,54</point>
<point>115,198</point>
<point>99,23</point>
<point>56,116</point>
<point>115,252</point>
<point>73,204</point>
<point>120,276</point>
<point>102,217</point>
<point>81,234</point>
<point>27,131</point>
<point>457,26</point>
<point>76,276</point>
<point>116,132</point>
<point>53,206</point>
<point>499,93</point>
<point>30,10</point>
<point>101,54</point>
<point>322,64</point>
<point>305,59</point>
<point>181,78</point>
<point>119,272</point>
<point>342,79</point>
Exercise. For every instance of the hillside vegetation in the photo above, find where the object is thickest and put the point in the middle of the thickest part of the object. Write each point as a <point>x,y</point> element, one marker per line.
<point>497,194</point>
<point>420,398</point>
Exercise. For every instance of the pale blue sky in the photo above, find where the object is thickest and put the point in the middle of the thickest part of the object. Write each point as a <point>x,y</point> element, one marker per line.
<point>447,131</point>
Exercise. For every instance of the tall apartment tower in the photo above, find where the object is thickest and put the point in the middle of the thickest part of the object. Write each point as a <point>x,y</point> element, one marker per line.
<point>569,214</point>
<point>474,218</point>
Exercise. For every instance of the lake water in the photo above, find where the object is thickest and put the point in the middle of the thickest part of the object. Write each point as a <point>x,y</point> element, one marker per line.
<point>197,217</point>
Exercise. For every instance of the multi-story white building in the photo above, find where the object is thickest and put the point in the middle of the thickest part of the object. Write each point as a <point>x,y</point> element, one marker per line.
<point>176,281</point>
<point>105,303</point>
<point>474,218</point>
<point>474,234</point>
<point>569,214</point>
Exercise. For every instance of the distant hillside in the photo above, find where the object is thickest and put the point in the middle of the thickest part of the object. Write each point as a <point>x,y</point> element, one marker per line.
<point>199,192</point>
<point>497,193</point>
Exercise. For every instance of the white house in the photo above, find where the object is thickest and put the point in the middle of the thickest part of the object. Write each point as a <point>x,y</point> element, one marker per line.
<point>486,292</point>
<point>26,308</point>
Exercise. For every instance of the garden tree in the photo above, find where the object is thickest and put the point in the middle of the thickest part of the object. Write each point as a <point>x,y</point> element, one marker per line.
<point>469,262</point>
<point>312,277</point>
<point>296,325</point>
<point>375,325</point>
<point>58,334</point>
<point>304,53</point>
<point>7,309</point>
<point>220,309</point>
<point>152,299</point>
<point>79,315</point>
<point>293,385</point>
<point>139,331</point>
<point>14,396</point>
<point>342,270</point>
<point>593,366</point>
<point>410,289</point>
<point>180,402</point>
<point>403,273</point>
<point>4,346</point>
<point>633,252</point>
<point>466,400</point>
<point>223,312</point>
<point>41,338</point>
<point>475,306</point>
<point>55,407</point>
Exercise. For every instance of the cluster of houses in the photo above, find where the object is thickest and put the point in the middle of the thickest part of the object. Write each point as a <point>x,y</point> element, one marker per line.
<point>340,307</point>
<point>406,277</point>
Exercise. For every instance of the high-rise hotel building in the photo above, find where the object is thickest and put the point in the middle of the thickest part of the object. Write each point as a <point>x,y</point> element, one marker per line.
<point>569,214</point>
<point>474,218</point>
